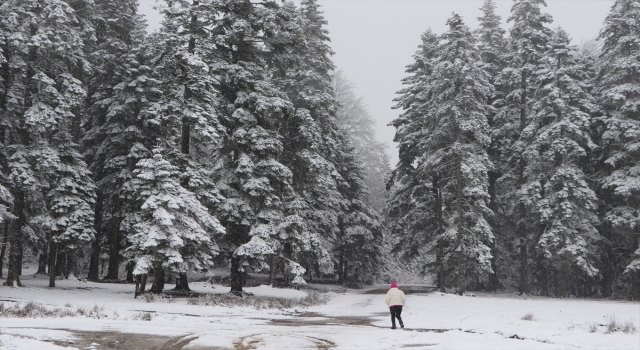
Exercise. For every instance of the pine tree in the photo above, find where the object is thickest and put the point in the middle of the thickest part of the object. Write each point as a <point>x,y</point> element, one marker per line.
<point>618,90</point>
<point>261,210</point>
<point>119,73</point>
<point>315,149</point>
<point>42,105</point>
<point>557,144</point>
<point>415,204</point>
<point>491,44</point>
<point>527,43</point>
<point>447,149</point>
<point>355,121</point>
<point>185,116</point>
<point>172,229</point>
<point>71,202</point>
<point>461,90</point>
<point>301,65</point>
<point>358,247</point>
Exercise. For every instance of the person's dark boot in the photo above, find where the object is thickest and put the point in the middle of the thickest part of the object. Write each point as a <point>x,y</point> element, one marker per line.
<point>393,327</point>
<point>401,325</point>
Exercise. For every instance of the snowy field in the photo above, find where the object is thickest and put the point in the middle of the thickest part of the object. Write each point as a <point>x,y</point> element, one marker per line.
<point>348,321</point>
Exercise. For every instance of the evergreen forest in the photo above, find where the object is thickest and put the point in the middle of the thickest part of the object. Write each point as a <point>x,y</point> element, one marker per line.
<point>228,139</point>
<point>519,161</point>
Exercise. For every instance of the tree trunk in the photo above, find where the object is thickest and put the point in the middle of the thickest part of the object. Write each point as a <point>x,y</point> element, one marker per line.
<point>273,270</point>
<point>607,269</point>
<point>72,263</point>
<point>441,274</point>
<point>136,293</point>
<point>94,261</point>
<point>141,284</point>
<point>182,282</point>
<point>524,275</point>
<point>20,257</point>
<point>3,244</point>
<point>42,262</point>
<point>522,229</point>
<point>345,271</point>
<point>53,257</point>
<point>543,274</point>
<point>15,241</point>
<point>635,285</point>
<point>158,280</point>
<point>236,276</point>
<point>114,253</point>
<point>442,277</point>
<point>61,263</point>
<point>493,278</point>
<point>635,275</point>
<point>562,282</point>
<point>460,271</point>
<point>130,266</point>
<point>340,269</point>
<point>494,282</point>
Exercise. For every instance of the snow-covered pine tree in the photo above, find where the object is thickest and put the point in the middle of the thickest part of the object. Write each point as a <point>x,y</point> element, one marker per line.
<point>185,49</point>
<point>527,43</point>
<point>313,138</point>
<point>556,154</point>
<point>118,88</point>
<point>491,41</point>
<point>618,91</point>
<point>442,173</point>
<point>171,229</point>
<point>44,50</point>
<point>71,193</point>
<point>491,44</point>
<point>358,249</point>
<point>460,91</point>
<point>185,116</point>
<point>415,204</point>
<point>301,65</point>
<point>364,165</point>
<point>260,210</point>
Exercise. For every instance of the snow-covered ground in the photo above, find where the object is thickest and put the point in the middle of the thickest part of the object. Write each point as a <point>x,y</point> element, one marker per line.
<point>348,321</point>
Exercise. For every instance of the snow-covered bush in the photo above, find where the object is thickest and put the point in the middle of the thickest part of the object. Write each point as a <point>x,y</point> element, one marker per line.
<point>528,317</point>
<point>36,310</point>
<point>258,302</point>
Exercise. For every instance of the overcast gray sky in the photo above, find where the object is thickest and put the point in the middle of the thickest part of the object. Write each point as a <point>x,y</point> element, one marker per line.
<point>375,39</point>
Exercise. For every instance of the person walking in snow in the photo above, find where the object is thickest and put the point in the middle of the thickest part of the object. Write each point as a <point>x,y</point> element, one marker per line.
<point>395,300</point>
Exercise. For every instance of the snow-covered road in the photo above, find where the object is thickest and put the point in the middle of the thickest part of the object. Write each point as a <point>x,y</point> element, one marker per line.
<point>348,321</point>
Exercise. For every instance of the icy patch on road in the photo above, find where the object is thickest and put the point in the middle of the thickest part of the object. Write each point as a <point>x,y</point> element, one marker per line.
<point>11,342</point>
<point>41,334</point>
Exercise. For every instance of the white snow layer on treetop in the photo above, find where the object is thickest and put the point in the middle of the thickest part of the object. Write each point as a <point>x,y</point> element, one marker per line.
<point>255,248</point>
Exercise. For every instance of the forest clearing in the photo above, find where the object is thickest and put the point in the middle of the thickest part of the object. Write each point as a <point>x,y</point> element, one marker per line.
<point>202,174</point>
<point>112,319</point>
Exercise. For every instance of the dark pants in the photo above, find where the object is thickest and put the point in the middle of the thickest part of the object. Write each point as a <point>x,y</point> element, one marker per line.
<point>396,310</point>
